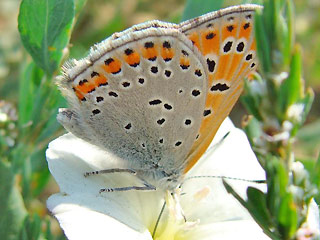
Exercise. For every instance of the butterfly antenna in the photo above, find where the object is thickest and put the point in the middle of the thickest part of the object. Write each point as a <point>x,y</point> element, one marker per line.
<point>158,220</point>
<point>214,147</point>
<point>225,177</point>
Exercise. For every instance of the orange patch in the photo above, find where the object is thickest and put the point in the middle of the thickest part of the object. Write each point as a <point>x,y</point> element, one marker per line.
<point>86,87</point>
<point>79,95</point>
<point>149,53</point>
<point>195,39</point>
<point>253,46</point>
<point>133,59</point>
<point>243,67</point>
<point>226,31</point>
<point>234,64</point>
<point>113,66</point>
<point>210,42</point>
<point>100,80</point>
<point>245,33</point>
<point>209,99</point>
<point>204,124</point>
<point>217,99</point>
<point>222,66</point>
<point>167,53</point>
<point>184,61</point>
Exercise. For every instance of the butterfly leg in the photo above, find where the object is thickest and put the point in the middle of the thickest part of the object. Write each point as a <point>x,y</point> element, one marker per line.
<point>146,186</point>
<point>112,170</point>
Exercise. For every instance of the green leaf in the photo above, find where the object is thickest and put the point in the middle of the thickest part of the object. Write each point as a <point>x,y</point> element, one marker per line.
<point>29,81</point>
<point>256,205</point>
<point>262,39</point>
<point>195,8</point>
<point>12,210</point>
<point>32,227</point>
<point>40,173</point>
<point>257,202</point>
<point>45,27</point>
<point>252,99</point>
<point>315,175</point>
<point>253,130</point>
<point>287,216</point>
<point>307,101</point>
<point>292,87</point>
<point>289,34</point>
<point>313,167</point>
<point>48,234</point>
<point>277,178</point>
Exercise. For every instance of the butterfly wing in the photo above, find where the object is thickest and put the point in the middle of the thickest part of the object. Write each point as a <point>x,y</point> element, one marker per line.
<point>226,41</point>
<point>140,97</point>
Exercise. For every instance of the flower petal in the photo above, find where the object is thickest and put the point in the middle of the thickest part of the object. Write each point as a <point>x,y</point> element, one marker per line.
<point>232,158</point>
<point>80,222</point>
<point>229,230</point>
<point>69,158</point>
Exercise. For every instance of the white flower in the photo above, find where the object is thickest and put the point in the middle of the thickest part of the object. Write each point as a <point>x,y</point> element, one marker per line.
<point>310,229</point>
<point>210,212</point>
<point>295,111</point>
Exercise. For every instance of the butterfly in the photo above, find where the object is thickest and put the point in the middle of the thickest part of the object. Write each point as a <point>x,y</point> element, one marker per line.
<point>155,94</point>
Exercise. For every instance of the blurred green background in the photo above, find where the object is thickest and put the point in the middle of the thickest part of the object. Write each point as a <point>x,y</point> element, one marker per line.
<point>98,20</point>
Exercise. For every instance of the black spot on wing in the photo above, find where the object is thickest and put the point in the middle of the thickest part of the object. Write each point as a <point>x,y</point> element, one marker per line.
<point>96,111</point>
<point>206,112</point>
<point>230,28</point>
<point>155,102</point>
<point>195,92</point>
<point>210,35</point>
<point>211,65</point>
<point>219,87</point>
<point>227,46</point>
<point>128,51</point>
<point>149,45</point>
<point>99,99</point>
<point>240,47</point>
<point>154,69</point>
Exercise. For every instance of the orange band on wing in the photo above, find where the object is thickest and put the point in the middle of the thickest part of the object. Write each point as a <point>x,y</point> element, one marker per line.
<point>245,30</point>
<point>133,59</point>
<point>229,31</point>
<point>150,53</point>
<point>85,87</point>
<point>234,65</point>
<point>100,80</point>
<point>79,95</point>
<point>222,66</point>
<point>184,62</point>
<point>210,42</point>
<point>167,53</point>
<point>112,65</point>
<point>194,37</point>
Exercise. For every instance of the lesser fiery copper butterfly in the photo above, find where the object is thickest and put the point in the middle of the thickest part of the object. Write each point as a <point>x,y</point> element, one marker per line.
<point>155,94</point>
